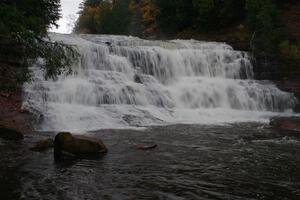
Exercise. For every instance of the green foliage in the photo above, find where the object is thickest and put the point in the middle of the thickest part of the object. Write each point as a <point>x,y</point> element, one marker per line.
<point>87,21</point>
<point>290,51</point>
<point>30,15</point>
<point>102,13</point>
<point>263,20</point>
<point>57,57</point>
<point>117,21</point>
<point>24,24</point>
<point>257,18</point>
<point>202,15</point>
<point>175,16</point>
<point>206,13</point>
<point>104,17</point>
<point>92,2</point>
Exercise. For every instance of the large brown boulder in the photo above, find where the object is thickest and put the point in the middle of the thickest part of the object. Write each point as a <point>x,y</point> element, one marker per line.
<point>10,134</point>
<point>67,144</point>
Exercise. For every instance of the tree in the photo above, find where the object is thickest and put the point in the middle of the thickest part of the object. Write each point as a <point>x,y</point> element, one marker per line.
<point>117,21</point>
<point>107,17</point>
<point>92,3</point>
<point>24,25</point>
<point>149,13</point>
<point>217,14</point>
<point>31,15</point>
<point>102,16</point>
<point>136,22</point>
<point>166,19</point>
<point>86,22</point>
<point>262,19</point>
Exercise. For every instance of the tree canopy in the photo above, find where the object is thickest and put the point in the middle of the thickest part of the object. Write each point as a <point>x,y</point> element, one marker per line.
<point>160,18</point>
<point>36,16</point>
<point>24,26</point>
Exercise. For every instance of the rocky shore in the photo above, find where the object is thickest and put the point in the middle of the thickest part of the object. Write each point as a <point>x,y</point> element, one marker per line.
<point>11,114</point>
<point>11,77</point>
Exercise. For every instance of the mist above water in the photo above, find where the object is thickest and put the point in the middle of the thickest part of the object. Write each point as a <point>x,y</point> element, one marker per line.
<point>126,82</point>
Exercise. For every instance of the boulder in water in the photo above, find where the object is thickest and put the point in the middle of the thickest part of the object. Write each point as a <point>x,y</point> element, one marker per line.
<point>10,134</point>
<point>286,123</point>
<point>43,145</point>
<point>145,146</point>
<point>65,144</point>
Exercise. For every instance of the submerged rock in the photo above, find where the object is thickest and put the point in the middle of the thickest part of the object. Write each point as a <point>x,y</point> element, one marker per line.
<point>65,144</point>
<point>286,123</point>
<point>43,145</point>
<point>145,146</point>
<point>10,134</point>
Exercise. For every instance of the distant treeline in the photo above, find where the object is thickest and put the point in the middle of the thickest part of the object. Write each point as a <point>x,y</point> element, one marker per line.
<point>169,18</point>
<point>155,17</point>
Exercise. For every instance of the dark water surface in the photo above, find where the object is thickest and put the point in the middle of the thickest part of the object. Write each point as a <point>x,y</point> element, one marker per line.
<point>241,161</point>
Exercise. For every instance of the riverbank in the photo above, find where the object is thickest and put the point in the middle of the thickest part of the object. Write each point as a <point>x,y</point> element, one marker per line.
<point>11,114</point>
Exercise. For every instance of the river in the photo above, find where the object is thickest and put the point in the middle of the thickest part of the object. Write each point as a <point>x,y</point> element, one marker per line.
<point>198,101</point>
<point>239,161</point>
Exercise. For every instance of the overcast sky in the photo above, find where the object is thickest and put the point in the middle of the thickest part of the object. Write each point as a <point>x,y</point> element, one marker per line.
<point>69,15</point>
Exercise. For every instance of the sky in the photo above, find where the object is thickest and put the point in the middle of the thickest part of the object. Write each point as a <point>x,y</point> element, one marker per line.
<point>69,15</point>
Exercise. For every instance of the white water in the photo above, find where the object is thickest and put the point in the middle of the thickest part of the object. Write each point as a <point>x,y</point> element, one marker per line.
<point>181,81</point>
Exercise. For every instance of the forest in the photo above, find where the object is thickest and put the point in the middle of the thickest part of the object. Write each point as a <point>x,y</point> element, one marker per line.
<point>259,23</point>
<point>261,26</point>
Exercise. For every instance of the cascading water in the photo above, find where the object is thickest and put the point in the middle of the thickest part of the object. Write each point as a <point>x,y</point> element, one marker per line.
<point>123,82</point>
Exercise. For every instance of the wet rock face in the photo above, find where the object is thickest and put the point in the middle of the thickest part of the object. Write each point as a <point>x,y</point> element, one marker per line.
<point>65,144</point>
<point>288,123</point>
<point>10,134</point>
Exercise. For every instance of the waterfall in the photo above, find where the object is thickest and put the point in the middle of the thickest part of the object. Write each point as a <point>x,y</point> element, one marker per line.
<point>126,82</point>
